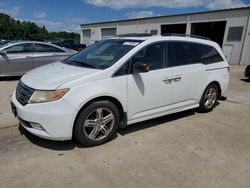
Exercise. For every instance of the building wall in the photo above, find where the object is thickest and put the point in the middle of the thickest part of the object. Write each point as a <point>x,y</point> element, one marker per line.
<point>234,19</point>
<point>240,17</point>
<point>245,58</point>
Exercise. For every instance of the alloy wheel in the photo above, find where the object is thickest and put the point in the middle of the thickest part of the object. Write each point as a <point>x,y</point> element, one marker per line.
<point>99,124</point>
<point>210,97</point>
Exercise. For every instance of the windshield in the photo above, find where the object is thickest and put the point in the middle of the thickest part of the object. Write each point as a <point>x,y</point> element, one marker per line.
<point>103,54</point>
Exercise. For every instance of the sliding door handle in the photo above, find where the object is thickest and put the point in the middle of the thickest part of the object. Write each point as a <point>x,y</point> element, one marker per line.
<point>177,79</point>
<point>168,81</point>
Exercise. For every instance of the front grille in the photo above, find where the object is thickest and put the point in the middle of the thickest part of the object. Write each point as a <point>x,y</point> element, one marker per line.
<point>23,93</point>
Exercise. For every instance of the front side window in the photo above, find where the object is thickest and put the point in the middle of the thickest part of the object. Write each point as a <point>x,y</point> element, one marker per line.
<point>103,54</point>
<point>124,70</point>
<point>46,48</point>
<point>20,48</point>
<point>153,55</point>
<point>186,53</point>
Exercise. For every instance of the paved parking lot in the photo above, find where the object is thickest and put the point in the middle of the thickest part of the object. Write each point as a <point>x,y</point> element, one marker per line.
<point>187,149</point>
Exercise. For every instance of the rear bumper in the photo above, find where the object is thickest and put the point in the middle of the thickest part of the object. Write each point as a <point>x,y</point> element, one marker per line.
<point>55,118</point>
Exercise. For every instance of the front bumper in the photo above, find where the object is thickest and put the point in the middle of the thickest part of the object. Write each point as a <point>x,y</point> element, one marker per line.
<point>56,118</point>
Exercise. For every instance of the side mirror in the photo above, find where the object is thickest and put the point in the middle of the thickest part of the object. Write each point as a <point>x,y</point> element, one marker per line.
<point>140,67</point>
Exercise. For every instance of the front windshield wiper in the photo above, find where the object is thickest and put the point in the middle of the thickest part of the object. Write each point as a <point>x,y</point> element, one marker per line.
<point>82,63</point>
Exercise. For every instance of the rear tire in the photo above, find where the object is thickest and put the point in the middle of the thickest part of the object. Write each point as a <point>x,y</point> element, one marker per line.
<point>97,123</point>
<point>209,98</point>
<point>247,72</point>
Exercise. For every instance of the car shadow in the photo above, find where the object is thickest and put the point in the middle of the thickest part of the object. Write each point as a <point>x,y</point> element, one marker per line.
<point>216,104</point>
<point>245,80</point>
<point>155,122</point>
<point>11,78</point>
<point>71,144</point>
<point>51,144</point>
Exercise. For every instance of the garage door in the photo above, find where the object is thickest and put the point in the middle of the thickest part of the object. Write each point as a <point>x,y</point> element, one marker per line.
<point>86,36</point>
<point>108,33</point>
<point>212,30</point>
<point>173,28</point>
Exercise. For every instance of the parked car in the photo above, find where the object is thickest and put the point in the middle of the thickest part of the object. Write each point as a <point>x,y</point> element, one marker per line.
<point>2,41</point>
<point>247,72</point>
<point>69,44</point>
<point>118,82</point>
<point>16,58</point>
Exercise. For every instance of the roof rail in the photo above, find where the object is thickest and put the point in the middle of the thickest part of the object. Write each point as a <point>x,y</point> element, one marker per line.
<point>186,35</point>
<point>135,35</point>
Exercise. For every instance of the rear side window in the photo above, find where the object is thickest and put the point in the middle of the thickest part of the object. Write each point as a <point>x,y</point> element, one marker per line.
<point>186,53</point>
<point>46,48</point>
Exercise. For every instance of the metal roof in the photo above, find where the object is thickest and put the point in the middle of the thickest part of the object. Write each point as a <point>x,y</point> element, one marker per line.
<point>185,14</point>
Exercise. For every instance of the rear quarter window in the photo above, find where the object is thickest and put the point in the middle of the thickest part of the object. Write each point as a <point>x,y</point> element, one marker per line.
<point>209,54</point>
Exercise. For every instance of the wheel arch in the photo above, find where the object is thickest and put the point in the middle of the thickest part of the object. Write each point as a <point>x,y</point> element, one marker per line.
<point>115,101</point>
<point>218,86</point>
<point>212,82</point>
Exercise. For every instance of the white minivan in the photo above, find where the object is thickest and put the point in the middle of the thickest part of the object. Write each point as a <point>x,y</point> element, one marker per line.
<point>117,82</point>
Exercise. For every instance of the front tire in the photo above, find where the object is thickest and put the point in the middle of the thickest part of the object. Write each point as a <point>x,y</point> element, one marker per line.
<point>97,123</point>
<point>209,98</point>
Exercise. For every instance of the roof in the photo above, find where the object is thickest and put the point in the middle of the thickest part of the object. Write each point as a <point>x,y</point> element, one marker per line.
<point>185,14</point>
<point>191,38</point>
<point>158,38</point>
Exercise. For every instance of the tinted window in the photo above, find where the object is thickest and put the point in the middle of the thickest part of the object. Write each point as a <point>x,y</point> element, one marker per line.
<point>191,53</point>
<point>46,48</point>
<point>186,53</point>
<point>123,71</point>
<point>20,48</point>
<point>153,55</point>
<point>209,54</point>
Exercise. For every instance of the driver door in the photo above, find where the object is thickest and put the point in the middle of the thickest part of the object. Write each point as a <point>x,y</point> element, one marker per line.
<point>17,60</point>
<point>149,94</point>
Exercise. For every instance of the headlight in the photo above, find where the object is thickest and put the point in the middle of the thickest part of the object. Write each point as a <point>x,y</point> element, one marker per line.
<point>47,96</point>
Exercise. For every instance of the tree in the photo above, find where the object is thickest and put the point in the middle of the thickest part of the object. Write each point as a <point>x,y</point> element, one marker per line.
<point>11,29</point>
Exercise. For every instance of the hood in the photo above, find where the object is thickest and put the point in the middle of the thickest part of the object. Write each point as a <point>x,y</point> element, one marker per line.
<point>51,76</point>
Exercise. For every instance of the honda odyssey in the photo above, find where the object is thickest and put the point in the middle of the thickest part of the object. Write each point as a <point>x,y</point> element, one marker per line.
<point>117,82</point>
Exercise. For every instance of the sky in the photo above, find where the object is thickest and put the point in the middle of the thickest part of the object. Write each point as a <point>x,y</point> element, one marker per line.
<point>67,15</point>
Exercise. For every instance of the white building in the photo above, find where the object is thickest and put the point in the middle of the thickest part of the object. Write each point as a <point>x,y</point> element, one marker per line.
<point>230,28</point>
